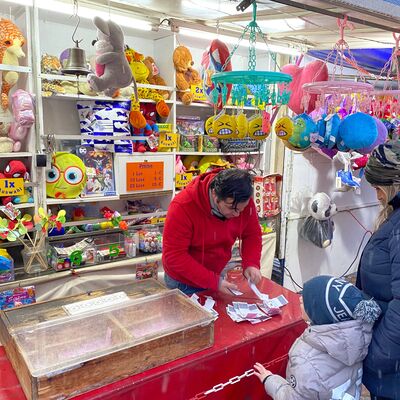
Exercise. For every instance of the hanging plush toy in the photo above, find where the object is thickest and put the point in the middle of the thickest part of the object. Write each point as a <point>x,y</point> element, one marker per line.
<point>11,42</point>
<point>141,73</point>
<point>318,227</point>
<point>112,69</point>
<point>284,128</point>
<point>224,126</point>
<point>67,176</point>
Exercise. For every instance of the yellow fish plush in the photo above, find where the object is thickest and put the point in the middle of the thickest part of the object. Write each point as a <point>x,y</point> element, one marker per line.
<point>67,177</point>
<point>242,125</point>
<point>255,128</point>
<point>224,126</point>
<point>284,128</point>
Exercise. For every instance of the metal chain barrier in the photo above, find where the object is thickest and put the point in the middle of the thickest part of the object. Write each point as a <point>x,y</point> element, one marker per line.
<point>235,379</point>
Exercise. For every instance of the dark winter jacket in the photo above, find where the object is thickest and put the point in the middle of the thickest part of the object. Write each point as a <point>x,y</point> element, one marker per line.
<point>379,277</point>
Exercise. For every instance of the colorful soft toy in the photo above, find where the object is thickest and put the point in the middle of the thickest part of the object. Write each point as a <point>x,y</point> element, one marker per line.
<point>24,117</point>
<point>15,169</point>
<point>142,146</point>
<point>304,126</point>
<point>155,78</point>
<point>224,126</point>
<point>140,72</point>
<point>318,227</point>
<point>191,162</point>
<point>255,127</point>
<point>331,130</point>
<point>11,42</point>
<point>312,72</point>
<point>358,131</point>
<point>112,69</point>
<point>186,75</point>
<point>51,65</point>
<point>67,176</point>
<point>284,128</point>
<point>381,138</point>
<point>242,125</point>
<point>207,163</point>
<point>213,60</point>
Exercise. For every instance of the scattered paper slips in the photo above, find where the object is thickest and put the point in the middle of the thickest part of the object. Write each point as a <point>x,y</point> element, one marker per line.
<point>208,305</point>
<point>236,292</point>
<point>261,296</point>
<point>255,313</point>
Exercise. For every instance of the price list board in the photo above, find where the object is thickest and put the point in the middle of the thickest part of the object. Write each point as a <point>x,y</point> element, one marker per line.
<point>144,176</point>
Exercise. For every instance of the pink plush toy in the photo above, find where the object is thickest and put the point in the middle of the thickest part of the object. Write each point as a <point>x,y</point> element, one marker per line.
<point>179,167</point>
<point>312,72</point>
<point>24,117</point>
<point>242,164</point>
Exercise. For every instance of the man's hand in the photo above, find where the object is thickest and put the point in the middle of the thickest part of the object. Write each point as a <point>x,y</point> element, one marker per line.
<point>260,372</point>
<point>224,286</point>
<point>253,274</point>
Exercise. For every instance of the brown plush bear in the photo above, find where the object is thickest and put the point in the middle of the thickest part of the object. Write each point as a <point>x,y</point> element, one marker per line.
<point>154,76</point>
<point>185,74</point>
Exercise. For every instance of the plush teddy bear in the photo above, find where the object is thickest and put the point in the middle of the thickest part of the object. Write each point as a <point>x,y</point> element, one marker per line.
<point>112,68</point>
<point>154,77</point>
<point>186,75</point>
<point>140,73</point>
<point>318,227</point>
<point>11,42</point>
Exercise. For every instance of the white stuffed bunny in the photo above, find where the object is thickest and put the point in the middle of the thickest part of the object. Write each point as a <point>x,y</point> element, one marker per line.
<point>112,68</point>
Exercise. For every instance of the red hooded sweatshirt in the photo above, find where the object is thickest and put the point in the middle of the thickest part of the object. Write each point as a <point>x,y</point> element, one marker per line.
<point>197,245</point>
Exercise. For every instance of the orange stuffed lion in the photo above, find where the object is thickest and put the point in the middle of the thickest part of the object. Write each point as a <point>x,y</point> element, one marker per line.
<point>185,74</point>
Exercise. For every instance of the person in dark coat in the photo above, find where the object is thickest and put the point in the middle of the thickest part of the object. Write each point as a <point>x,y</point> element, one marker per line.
<point>379,274</point>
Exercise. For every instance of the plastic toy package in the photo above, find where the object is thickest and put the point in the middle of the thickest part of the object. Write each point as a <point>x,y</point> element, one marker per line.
<point>150,240</point>
<point>17,297</point>
<point>145,271</point>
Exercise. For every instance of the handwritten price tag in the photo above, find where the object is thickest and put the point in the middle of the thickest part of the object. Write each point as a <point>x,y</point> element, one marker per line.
<point>198,93</point>
<point>182,180</point>
<point>145,176</point>
<point>168,139</point>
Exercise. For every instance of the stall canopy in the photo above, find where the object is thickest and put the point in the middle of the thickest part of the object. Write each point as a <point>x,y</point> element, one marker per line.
<point>372,60</point>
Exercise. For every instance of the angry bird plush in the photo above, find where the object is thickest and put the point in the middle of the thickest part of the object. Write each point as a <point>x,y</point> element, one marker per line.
<point>186,75</point>
<point>284,128</point>
<point>67,176</point>
<point>224,126</point>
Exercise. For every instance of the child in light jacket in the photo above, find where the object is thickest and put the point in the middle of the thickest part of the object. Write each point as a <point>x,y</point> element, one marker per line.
<point>326,361</point>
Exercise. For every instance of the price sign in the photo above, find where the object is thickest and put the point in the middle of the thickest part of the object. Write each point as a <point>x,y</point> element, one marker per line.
<point>182,180</point>
<point>144,176</point>
<point>198,92</point>
<point>168,139</point>
<point>12,187</point>
<point>164,127</point>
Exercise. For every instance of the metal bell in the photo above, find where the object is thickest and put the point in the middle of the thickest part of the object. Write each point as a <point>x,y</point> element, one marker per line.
<point>76,62</point>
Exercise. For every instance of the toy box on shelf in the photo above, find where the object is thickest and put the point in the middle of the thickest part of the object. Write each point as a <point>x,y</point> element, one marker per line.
<point>237,145</point>
<point>267,195</point>
<point>89,251</point>
<point>99,171</point>
<point>208,144</point>
<point>189,129</point>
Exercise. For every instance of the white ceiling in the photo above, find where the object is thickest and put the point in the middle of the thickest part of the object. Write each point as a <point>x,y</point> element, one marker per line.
<point>281,22</point>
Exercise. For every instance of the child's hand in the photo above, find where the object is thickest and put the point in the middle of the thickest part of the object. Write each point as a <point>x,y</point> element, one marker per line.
<point>261,373</point>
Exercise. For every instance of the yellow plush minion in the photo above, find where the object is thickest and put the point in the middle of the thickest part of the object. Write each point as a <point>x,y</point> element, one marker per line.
<point>284,128</point>
<point>67,177</point>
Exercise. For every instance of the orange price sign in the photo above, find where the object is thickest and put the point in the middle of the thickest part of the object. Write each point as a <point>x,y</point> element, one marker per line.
<point>144,176</point>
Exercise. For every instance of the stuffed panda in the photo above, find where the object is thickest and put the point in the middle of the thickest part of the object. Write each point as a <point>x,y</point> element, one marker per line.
<point>318,227</point>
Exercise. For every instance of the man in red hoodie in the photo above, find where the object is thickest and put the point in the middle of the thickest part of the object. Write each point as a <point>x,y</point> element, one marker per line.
<point>203,222</point>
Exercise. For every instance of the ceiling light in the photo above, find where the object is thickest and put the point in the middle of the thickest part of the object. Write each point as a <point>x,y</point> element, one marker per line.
<point>89,13</point>
<point>232,40</point>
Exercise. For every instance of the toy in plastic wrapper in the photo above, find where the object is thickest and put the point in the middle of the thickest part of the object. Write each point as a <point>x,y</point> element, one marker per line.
<point>145,271</point>
<point>318,227</point>
<point>99,171</point>
<point>150,240</point>
<point>6,266</point>
<point>105,118</point>
<point>266,195</point>
<point>17,297</point>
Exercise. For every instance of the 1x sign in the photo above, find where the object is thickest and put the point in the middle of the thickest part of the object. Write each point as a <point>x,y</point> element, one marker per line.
<point>168,139</point>
<point>12,187</point>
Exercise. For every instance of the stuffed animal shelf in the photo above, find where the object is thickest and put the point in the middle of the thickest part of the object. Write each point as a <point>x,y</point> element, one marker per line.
<point>318,227</point>
<point>186,75</point>
<point>155,78</point>
<point>141,73</point>
<point>11,42</point>
<point>112,68</point>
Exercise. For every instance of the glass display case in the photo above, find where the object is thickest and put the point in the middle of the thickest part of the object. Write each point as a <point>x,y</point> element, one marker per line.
<point>58,355</point>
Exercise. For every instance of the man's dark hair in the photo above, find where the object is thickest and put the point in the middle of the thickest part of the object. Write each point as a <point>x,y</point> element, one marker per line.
<point>233,183</point>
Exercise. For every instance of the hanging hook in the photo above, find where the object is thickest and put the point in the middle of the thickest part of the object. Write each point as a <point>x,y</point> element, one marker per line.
<point>76,41</point>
